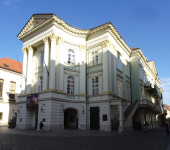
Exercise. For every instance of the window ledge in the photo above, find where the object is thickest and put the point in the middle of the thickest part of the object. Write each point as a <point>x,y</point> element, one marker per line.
<point>119,70</point>
<point>141,80</point>
<point>39,66</point>
<point>95,65</point>
<point>71,64</point>
<point>128,77</point>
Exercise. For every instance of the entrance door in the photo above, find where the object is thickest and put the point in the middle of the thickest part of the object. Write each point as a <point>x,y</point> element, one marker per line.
<point>94,118</point>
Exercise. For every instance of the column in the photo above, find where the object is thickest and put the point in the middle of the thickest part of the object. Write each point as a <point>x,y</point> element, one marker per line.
<point>45,64</point>
<point>60,44</point>
<point>106,46</point>
<point>24,70</point>
<point>99,54</point>
<point>82,70</point>
<point>29,69</point>
<point>121,117</point>
<point>100,83</point>
<point>65,79</point>
<point>52,61</point>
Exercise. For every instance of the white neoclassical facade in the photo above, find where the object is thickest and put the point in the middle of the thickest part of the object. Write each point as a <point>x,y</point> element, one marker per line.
<point>10,88</point>
<point>82,77</point>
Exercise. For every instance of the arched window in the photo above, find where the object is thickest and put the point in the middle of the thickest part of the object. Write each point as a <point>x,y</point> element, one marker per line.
<point>71,56</point>
<point>70,85</point>
<point>42,58</point>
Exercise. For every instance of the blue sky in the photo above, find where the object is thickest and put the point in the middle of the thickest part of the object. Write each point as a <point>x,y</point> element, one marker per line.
<point>144,24</point>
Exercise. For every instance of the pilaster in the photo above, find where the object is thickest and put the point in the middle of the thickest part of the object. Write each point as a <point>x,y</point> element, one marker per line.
<point>53,38</point>
<point>24,73</point>
<point>29,69</point>
<point>45,64</point>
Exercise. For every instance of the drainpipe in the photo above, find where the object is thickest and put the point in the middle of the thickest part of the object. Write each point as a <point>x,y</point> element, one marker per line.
<point>131,83</point>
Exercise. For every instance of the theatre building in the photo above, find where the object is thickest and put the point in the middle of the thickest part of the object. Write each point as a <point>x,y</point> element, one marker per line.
<point>74,78</point>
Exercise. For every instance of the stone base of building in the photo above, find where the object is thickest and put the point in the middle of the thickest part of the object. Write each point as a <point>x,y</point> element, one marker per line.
<point>127,128</point>
<point>24,126</point>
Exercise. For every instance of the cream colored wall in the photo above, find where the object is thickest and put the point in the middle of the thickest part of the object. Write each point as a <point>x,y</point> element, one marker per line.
<point>5,107</point>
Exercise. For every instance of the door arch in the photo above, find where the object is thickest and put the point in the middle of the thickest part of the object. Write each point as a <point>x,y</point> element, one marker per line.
<point>70,118</point>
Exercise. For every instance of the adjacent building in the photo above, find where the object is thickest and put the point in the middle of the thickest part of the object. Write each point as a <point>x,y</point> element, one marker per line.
<point>85,79</point>
<point>10,88</point>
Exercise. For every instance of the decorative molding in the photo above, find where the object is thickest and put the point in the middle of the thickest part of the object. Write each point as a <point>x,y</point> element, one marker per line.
<point>45,40</point>
<point>119,70</point>
<point>128,77</point>
<point>30,48</point>
<point>107,92</point>
<point>95,65</point>
<point>82,94</point>
<point>68,69</point>
<point>77,75</point>
<point>128,82</point>
<point>114,48</point>
<point>118,75</point>
<point>100,75</point>
<point>106,43</point>
<point>65,72</point>
<point>89,77</point>
<point>60,40</point>
<point>95,71</point>
<point>53,37</point>
<point>82,47</point>
<point>24,50</point>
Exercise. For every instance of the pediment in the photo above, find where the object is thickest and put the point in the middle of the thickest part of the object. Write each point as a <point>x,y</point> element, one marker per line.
<point>152,66</point>
<point>35,21</point>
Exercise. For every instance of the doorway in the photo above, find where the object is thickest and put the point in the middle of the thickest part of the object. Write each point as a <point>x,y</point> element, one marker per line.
<point>94,118</point>
<point>70,119</point>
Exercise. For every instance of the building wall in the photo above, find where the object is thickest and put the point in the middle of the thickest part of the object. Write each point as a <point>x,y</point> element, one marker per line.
<point>5,106</point>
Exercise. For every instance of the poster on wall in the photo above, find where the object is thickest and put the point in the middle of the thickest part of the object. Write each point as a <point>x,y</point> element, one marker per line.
<point>32,100</point>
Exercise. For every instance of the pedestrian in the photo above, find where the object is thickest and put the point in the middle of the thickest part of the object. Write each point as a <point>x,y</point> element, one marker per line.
<point>166,129</point>
<point>41,126</point>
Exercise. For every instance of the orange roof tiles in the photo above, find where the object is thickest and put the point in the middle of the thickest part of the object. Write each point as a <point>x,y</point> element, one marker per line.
<point>166,109</point>
<point>13,64</point>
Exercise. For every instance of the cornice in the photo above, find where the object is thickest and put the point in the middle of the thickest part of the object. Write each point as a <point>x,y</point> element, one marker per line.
<point>60,23</point>
<point>106,43</point>
<point>82,47</point>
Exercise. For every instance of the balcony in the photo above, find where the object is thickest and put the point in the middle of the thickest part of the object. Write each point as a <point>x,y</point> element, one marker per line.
<point>147,103</point>
<point>153,91</point>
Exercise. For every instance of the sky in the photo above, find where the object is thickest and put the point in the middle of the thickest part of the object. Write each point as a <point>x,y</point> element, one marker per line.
<point>143,24</point>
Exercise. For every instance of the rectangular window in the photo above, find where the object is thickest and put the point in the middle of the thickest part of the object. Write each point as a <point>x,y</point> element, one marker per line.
<point>40,83</point>
<point>42,58</point>
<point>128,92</point>
<point>140,72</point>
<point>120,91</point>
<point>95,86</point>
<point>128,70</point>
<point>1,116</point>
<point>12,90</point>
<point>141,93</point>
<point>94,58</point>
<point>1,87</point>
<point>118,62</point>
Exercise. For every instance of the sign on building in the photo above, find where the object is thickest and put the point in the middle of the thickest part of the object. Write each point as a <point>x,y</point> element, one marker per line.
<point>32,100</point>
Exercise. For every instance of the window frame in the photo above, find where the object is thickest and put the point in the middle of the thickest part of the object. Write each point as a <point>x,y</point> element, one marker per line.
<point>128,92</point>
<point>120,94</point>
<point>40,84</point>
<point>128,69</point>
<point>71,84</point>
<point>68,52</point>
<point>12,94</point>
<point>93,54</point>
<point>41,61</point>
<point>92,91</point>
<point>2,82</point>
<point>119,62</point>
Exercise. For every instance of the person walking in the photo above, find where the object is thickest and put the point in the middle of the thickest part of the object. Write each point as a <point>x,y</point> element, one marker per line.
<point>41,126</point>
<point>166,129</point>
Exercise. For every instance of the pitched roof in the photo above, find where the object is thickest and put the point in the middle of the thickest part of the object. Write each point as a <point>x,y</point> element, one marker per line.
<point>11,64</point>
<point>133,48</point>
<point>166,109</point>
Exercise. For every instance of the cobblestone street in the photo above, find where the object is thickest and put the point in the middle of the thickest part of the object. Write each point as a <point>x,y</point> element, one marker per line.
<point>12,139</point>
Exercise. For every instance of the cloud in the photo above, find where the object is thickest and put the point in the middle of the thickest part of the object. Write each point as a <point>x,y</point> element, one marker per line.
<point>9,5</point>
<point>166,88</point>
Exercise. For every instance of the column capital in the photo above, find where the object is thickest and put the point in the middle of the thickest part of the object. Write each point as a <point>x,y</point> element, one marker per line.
<point>60,40</point>
<point>30,48</point>
<point>106,43</point>
<point>53,37</point>
<point>45,40</point>
<point>82,47</point>
<point>24,50</point>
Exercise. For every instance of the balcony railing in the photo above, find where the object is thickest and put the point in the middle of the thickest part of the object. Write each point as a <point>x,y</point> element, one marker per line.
<point>147,102</point>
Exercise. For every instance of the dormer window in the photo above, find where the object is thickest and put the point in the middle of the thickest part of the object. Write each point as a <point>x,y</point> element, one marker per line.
<point>6,65</point>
